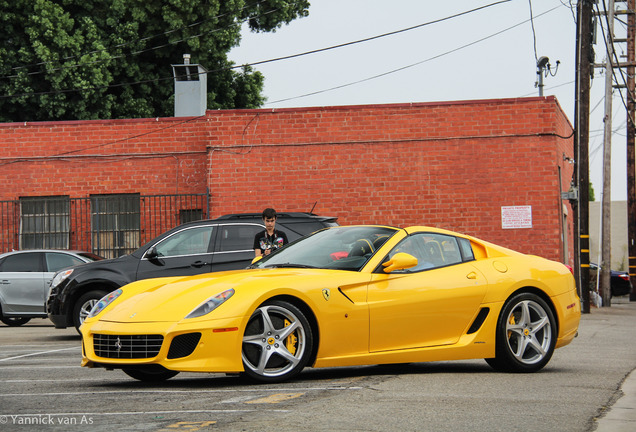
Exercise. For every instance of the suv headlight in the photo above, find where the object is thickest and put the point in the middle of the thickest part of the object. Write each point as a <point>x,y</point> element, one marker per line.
<point>60,276</point>
<point>210,304</point>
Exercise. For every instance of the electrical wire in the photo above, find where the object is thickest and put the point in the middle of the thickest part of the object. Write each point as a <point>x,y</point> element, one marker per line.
<point>611,56</point>
<point>156,80</point>
<point>410,65</point>
<point>143,39</point>
<point>534,33</point>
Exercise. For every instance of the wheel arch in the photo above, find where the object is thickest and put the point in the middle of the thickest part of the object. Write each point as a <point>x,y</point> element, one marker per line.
<point>94,285</point>
<point>311,317</point>
<point>542,294</point>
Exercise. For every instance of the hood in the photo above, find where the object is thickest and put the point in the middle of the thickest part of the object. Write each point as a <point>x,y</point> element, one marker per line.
<point>173,301</point>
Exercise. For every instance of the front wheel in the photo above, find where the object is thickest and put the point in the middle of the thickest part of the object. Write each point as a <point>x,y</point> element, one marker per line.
<point>277,342</point>
<point>14,321</point>
<point>526,335</point>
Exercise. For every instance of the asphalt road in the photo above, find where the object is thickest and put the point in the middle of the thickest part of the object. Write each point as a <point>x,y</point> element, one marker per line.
<point>43,388</point>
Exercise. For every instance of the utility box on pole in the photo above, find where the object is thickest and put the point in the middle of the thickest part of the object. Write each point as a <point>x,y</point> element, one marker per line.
<point>190,89</point>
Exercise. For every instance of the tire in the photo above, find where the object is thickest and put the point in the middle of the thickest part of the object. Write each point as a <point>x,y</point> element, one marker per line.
<point>14,321</point>
<point>83,306</point>
<point>151,375</point>
<point>526,335</point>
<point>277,342</point>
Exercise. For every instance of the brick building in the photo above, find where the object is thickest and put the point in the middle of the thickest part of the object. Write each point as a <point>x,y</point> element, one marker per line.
<point>491,168</point>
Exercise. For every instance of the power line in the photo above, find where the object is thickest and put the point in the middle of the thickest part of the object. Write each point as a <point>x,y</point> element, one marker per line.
<point>143,39</point>
<point>411,65</point>
<point>29,94</point>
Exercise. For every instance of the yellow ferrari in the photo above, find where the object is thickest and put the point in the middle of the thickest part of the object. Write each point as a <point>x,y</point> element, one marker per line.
<point>342,296</point>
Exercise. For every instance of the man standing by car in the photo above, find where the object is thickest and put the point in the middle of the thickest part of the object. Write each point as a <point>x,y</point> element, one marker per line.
<point>270,238</point>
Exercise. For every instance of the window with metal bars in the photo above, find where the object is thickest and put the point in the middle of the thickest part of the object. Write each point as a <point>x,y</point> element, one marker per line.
<point>115,224</point>
<point>45,222</point>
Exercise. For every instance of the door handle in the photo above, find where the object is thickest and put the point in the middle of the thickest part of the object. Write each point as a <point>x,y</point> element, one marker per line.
<point>471,275</point>
<point>198,264</point>
<point>5,282</point>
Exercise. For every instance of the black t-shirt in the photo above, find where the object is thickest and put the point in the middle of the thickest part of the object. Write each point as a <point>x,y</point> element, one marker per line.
<point>263,241</point>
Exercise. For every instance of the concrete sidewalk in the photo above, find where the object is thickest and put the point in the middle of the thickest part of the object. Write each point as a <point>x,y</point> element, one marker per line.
<point>621,416</point>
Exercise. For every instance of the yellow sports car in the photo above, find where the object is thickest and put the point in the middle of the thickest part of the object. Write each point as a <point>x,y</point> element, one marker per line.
<point>342,296</point>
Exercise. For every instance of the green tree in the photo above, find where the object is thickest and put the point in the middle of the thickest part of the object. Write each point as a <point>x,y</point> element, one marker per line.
<point>97,59</point>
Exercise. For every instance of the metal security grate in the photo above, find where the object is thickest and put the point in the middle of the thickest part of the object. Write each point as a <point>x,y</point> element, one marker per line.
<point>127,346</point>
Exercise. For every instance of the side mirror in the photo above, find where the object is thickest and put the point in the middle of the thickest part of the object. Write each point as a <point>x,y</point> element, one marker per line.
<point>257,259</point>
<point>400,261</point>
<point>152,253</point>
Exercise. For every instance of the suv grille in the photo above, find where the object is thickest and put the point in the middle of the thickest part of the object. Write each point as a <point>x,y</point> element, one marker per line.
<point>127,346</point>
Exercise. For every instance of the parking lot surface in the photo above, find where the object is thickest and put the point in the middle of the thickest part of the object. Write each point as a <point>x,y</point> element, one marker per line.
<point>44,388</point>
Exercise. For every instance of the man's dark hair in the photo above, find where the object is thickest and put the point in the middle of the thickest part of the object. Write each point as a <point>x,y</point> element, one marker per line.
<point>269,213</point>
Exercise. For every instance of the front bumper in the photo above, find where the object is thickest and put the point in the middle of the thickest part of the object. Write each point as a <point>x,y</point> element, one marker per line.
<point>217,350</point>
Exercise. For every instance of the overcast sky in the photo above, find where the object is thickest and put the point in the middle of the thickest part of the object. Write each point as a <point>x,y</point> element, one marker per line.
<point>485,54</point>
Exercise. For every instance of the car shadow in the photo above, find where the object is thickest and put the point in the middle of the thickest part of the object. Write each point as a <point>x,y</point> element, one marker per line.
<point>333,376</point>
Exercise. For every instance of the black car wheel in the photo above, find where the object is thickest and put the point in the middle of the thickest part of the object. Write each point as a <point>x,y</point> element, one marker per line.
<point>14,321</point>
<point>84,305</point>
<point>151,375</point>
<point>277,342</point>
<point>526,335</point>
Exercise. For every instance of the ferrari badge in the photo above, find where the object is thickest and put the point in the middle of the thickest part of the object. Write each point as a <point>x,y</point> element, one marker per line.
<point>326,293</point>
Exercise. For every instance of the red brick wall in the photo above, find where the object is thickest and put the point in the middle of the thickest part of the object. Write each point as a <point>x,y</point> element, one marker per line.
<point>451,165</point>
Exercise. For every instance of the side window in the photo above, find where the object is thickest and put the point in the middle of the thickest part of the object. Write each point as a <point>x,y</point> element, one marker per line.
<point>58,261</point>
<point>22,263</point>
<point>191,241</point>
<point>431,250</point>
<point>467,249</point>
<point>237,237</point>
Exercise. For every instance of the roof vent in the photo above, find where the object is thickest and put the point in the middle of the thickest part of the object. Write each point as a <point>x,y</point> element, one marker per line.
<point>190,89</point>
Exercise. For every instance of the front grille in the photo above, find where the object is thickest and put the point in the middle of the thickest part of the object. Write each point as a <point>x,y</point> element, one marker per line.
<point>127,346</point>
<point>183,345</point>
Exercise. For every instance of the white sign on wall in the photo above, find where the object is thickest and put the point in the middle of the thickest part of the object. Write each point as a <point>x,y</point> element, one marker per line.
<point>513,217</point>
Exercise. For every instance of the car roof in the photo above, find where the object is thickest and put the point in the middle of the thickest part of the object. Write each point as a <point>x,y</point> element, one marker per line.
<point>71,252</point>
<point>279,215</point>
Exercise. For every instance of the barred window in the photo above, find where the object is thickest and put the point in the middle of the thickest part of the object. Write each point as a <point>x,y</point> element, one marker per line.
<point>45,222</point>
<point>115,224</point>
<point>190,215</point>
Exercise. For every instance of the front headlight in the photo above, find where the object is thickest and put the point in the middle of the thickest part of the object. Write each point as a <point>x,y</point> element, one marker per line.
<point>105,301</point>
<point>210,304</point>
<point>60,276</point>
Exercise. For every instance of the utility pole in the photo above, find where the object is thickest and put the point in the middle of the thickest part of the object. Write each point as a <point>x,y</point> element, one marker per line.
<point>584,60</point>
<point>606,236</point>
<point>631,142</point>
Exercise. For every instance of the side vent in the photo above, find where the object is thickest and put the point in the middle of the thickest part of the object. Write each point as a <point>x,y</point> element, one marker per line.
<point>481,317</point>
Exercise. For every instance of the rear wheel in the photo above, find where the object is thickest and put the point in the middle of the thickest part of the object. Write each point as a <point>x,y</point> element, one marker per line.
<point>277,342</point>
<point>84,305</point>
<point>526,335</point>
<point>14,321</point>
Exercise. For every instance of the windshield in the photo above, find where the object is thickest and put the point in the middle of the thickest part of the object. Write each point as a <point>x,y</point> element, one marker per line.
<point>343,248</point>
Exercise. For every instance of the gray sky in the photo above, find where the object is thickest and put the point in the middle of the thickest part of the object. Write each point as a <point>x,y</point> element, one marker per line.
<point>486,54</point>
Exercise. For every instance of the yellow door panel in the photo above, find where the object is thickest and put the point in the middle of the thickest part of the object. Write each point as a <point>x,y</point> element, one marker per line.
<point>427,308</point>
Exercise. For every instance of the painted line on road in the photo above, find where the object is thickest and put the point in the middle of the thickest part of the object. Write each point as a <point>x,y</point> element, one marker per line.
<point>189,391</point>
<point>131,413</point>
<point>275,398</point>
<point>38,353</point>
<point>3,368</point>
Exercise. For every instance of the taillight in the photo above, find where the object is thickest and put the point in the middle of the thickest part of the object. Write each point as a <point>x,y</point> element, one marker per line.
<point>570,268</point>
<point>624,277</point>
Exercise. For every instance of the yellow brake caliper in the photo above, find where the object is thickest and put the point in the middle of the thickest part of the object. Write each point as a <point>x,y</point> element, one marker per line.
<point>291,340</point>
<point>511,321</point>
